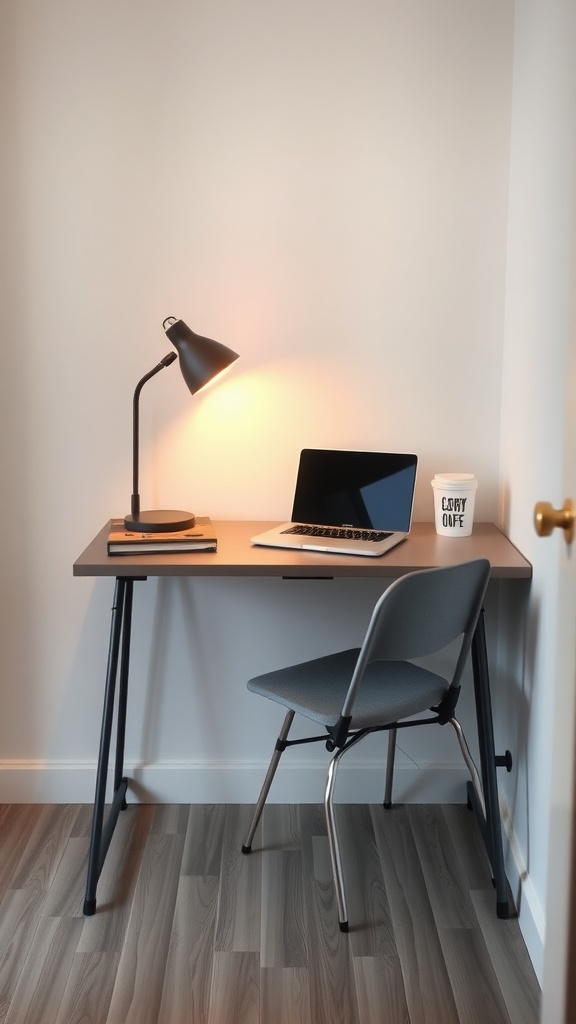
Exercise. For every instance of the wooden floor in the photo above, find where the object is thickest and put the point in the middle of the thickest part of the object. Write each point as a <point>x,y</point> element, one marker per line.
<point>190,930</point>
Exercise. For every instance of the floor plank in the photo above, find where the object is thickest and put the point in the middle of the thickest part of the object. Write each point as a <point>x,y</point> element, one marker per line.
<point>140,976</point>
<point>235,991</point>
<point>332,988</point>
<point>204,835</point>
<point>507,952</point>
<point>20,912</point>
<point>283,933</point>
<point>445,880</point>
<point>428,991</point>
<point>89,989</point>
<point>18,827</point>
<point>42,853</point>
<point>380,990</point>
<point>238,928</point>
<point>474,983</point>
<point>371,931</point>
<point>65,896</point>
<point>285,996</point>
<point>105,932</point>
<point>188,977</point>
<point>43,980</point>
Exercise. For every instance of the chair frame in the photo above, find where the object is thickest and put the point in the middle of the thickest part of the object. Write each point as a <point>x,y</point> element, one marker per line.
<point>341,739</point>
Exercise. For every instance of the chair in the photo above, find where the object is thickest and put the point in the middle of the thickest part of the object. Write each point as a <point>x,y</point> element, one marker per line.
<point>376,687</point>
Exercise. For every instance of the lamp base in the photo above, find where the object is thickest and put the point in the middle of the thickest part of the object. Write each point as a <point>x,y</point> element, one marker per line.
<point>160,521</point>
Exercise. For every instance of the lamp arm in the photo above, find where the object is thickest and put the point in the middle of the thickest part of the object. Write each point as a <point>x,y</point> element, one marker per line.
<point>135,501</point>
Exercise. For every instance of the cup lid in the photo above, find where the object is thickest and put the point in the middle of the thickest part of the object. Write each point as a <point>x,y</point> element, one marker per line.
<point>452,480</point>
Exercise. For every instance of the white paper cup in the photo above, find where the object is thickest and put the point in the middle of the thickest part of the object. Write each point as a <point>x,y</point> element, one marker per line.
<point>454,496</point>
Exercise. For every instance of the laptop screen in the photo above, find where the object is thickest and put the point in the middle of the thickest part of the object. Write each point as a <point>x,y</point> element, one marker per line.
<point>368,490</point>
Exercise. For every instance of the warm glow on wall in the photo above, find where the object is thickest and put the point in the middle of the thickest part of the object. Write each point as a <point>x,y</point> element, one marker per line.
<point>239,443</point>
<point>276,403</point>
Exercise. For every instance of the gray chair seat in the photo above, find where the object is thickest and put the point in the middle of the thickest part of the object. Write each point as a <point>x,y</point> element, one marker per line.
<point>317,689</point>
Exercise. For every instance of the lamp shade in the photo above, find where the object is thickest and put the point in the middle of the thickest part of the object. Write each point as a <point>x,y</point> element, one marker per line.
<point>201,359</point>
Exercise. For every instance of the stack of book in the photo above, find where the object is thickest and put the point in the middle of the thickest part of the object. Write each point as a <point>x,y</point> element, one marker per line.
<point>200,537</point>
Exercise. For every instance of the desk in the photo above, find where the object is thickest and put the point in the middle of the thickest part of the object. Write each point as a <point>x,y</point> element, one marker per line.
<point>237,557</point>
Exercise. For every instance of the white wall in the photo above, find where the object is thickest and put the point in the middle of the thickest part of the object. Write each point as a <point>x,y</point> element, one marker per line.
<point>321,185</point>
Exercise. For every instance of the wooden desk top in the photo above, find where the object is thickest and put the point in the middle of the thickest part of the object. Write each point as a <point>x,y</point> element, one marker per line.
<point>423,549</point>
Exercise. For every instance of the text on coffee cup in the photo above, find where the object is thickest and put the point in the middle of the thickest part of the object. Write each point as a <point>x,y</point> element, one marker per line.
<point>454,504</point>
<point>453,512</point>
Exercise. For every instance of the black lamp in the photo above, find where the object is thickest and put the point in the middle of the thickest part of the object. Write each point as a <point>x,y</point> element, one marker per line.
<point>201,360</point>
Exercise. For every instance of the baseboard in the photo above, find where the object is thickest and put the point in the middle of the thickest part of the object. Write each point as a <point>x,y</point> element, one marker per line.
<point>229,782</point>
<point>531,916</point>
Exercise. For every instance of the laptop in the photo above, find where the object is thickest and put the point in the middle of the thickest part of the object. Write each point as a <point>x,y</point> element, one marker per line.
<point>348,503</point>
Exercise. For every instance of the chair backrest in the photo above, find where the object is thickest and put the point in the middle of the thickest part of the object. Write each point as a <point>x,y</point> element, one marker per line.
<point>422,612</point>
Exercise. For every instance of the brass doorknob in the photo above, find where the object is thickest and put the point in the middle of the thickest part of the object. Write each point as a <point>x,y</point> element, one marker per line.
<point>546,518</point>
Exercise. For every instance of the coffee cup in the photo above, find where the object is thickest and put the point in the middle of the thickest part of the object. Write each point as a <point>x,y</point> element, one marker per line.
<point>454,497</point>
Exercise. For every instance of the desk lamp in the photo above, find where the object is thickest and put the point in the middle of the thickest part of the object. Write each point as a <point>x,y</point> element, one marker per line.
<point>201,360</point>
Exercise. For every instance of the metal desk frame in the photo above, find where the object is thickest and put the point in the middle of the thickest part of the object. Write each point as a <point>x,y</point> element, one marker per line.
<point>236,557</point>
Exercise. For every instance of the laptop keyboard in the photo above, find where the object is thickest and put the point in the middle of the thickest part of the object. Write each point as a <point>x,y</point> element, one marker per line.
<point>338,532</point>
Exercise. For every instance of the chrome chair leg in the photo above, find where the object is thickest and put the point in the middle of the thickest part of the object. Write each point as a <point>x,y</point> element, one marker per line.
<point>278,751</point>
<point>469,762</point>
<point>392,733</point>
<point>333,844</point>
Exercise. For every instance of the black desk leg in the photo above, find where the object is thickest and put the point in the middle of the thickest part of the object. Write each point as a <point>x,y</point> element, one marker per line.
<point>119,646</point>
<point>490,822</point>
